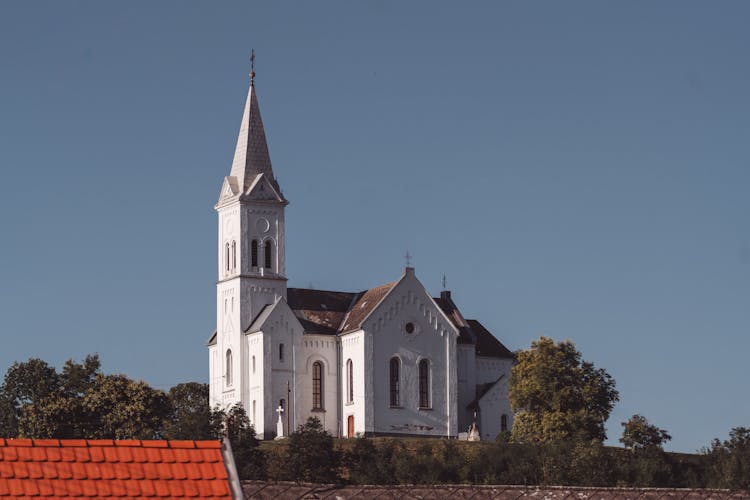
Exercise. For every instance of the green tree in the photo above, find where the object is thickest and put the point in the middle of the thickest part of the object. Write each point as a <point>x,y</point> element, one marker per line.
<point>557,396</point>
<point>116,407</point>
<point>28,382</point>
<point>250,460</point>
<point>190,416</point>
<point>638,433</point>
<point>311,455</point>
<point>8,417</point>
<point>729,461</point>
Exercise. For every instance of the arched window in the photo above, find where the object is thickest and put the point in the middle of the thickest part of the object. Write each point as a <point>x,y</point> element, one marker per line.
<point>349,381</point>
<point>253,364</point>
<point>234,255</point>
<point>267,254</point>
<point>504,422</point>
<point>226,256</point>
<point>395,377</point>
<point>228,368</point>
<point>253,421</point>
<point>281,352</point>
<point>254,253</point>
<point>424,384</point>
<point>317,385</point>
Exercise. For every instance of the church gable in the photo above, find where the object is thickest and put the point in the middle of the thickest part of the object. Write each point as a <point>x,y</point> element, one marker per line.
<point>262,189</point>
<point>407,308</point>
<point>274,316</point>
<point>228,191</point>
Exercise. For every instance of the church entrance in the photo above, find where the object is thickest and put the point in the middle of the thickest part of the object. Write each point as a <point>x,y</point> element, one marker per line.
<point>350,426</point>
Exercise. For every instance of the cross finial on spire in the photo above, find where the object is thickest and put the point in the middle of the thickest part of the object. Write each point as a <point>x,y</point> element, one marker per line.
<point>408,258</point>
<point>252,67</point>
<point>445,282</point>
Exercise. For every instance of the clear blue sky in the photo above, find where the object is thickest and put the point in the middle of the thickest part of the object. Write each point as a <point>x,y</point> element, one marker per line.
<point>577,169</point>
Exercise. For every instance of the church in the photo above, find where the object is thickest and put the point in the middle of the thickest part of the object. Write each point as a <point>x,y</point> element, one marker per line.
<point>391,360</point>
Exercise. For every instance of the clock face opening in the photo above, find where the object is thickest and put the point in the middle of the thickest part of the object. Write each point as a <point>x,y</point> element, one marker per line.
<point>409,327</point>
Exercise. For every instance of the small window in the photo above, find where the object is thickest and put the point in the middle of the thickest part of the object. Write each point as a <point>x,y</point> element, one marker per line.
<point>228,368</point>
<point>317,385</point>
<point>226,256</point>
<point>281,352</point>
<point>234,255</point>
<point>253,364</point>
<point>395,375</point>
<point>253,421</point>
<point>504,422</point>
<point>254,253</point>
<point>267,254</point>
<point>349,381</point>
<point>424,384</point>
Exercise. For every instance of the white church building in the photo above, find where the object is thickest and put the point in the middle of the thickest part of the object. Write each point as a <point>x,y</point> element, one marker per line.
<point>388,360</point>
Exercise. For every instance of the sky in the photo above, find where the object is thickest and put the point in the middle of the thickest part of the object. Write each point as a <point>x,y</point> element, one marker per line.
<point>577,170</point>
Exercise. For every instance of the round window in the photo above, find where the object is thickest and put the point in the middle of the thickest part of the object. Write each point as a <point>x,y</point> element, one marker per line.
<point>409,327</point>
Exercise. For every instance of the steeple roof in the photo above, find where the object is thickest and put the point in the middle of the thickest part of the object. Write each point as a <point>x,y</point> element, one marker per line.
<point>251,155</point>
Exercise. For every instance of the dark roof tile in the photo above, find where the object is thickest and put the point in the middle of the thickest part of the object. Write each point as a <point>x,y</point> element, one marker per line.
<point>487,344</point>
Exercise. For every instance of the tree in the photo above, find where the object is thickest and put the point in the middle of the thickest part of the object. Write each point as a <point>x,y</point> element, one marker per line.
<point>729,461</point>
<point>245,446</point>
<point>116,407</point>
<point>190,416</point>
<point>557,396</point>
<point>28,382</point>
<point>638,433</point>
<point>311,455</point>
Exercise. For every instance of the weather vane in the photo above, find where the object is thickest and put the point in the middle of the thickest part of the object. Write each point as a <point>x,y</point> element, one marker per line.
<point>252,67</point>
<point>408,258</point>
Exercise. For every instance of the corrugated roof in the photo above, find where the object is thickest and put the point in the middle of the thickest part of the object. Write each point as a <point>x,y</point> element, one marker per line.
<point>106,468</point>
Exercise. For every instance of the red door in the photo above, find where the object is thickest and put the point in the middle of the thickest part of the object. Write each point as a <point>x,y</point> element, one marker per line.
<point>350,426</point>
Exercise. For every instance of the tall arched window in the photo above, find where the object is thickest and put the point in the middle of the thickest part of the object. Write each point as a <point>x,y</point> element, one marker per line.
<point>504,422</point>
<point>424,384</point>
<point>281,352</point>
<point>226,256</point>
<point>253,421</point>
<point>395,381</point>
<point>267,254</point>
<point>349,381</point>
<point>317,385</point>
<point>254,253</point>
<point>253,364</point>
<point>234,255</point>
<point>228,367</point>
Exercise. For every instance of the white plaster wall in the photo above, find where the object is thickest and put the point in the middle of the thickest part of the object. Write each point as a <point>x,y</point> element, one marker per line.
<point>492,406</point>
<point>433,339</point>
<point>281,327</point>
<point>319,348</point>
<point>353,347</point>
<point>489,369</point>
<point>255,383</point>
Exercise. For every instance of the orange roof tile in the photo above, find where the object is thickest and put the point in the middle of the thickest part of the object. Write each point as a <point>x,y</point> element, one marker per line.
<point>105,468</point>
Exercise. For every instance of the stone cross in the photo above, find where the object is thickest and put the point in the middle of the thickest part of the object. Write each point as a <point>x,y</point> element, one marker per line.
<point>280,423</point>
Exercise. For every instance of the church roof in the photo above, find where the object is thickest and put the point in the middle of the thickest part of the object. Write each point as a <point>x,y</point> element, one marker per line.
<point>487,344</point>
<point>105,468</point>
<point>329,312</point>
<point>471,331</point>
<point>251,154</point>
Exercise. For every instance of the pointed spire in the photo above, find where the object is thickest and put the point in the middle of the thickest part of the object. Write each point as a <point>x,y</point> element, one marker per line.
<point>251,155</point>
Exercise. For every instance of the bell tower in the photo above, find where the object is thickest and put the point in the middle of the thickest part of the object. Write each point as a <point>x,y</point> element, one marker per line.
<point>251,253</point>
